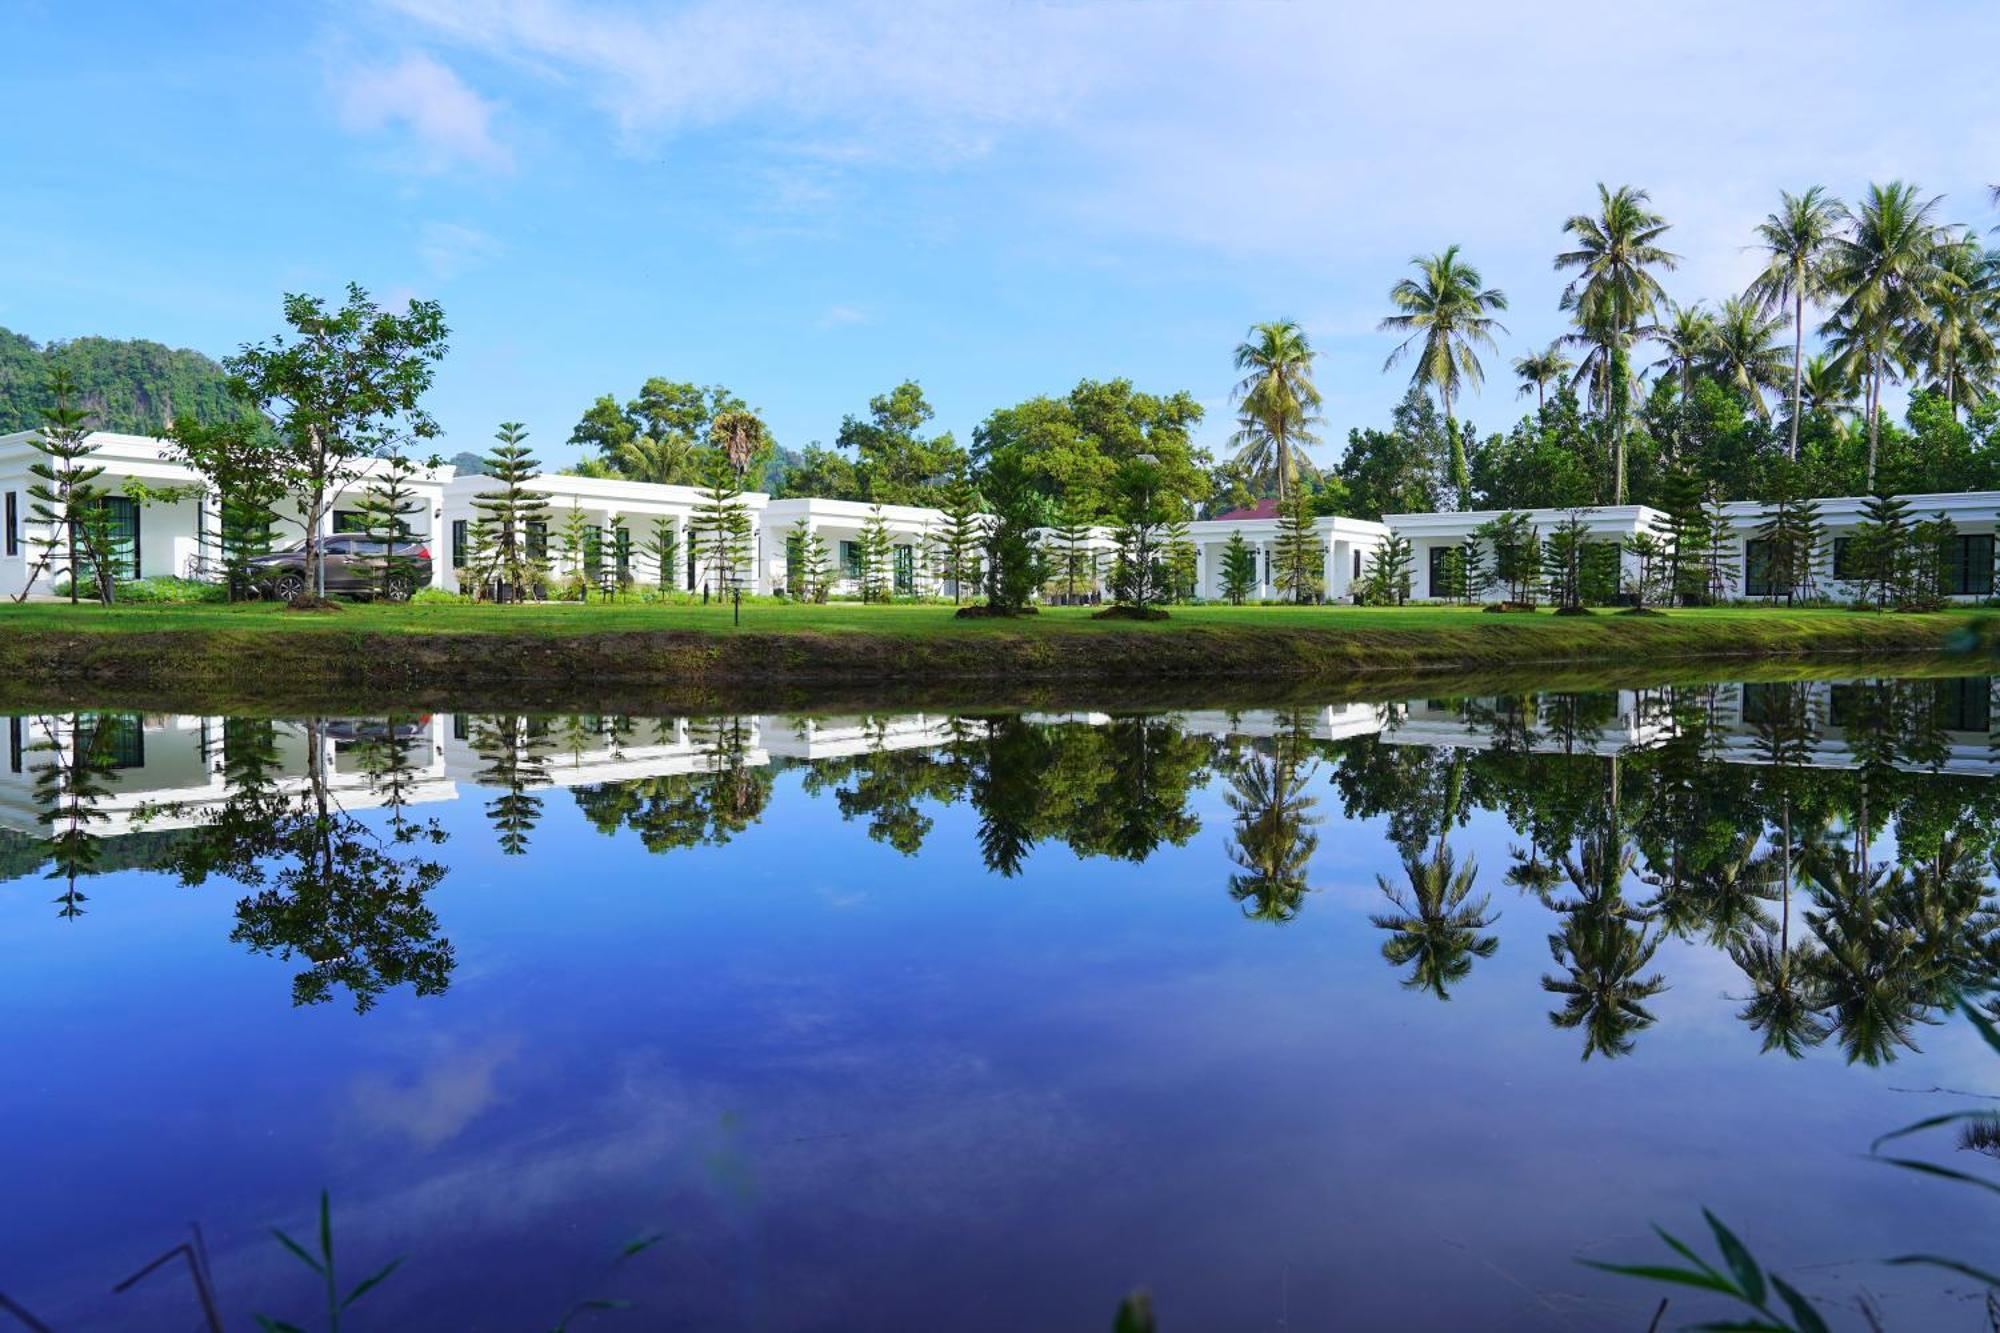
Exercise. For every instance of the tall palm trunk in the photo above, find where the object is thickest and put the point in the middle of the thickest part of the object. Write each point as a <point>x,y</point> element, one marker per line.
<point>1798,367</point>
<point>1874,415</point>
<point>1284,461</point>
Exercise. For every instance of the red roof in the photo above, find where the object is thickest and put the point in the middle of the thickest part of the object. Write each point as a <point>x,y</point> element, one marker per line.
<point>1264,508</point>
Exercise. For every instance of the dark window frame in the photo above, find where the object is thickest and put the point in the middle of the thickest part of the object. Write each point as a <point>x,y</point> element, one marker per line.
<point>1757,567</point>
<point>13,523</point>
<point>458,543</point>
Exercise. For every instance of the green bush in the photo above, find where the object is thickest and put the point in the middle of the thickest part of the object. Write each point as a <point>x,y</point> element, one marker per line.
<point>163,591</point>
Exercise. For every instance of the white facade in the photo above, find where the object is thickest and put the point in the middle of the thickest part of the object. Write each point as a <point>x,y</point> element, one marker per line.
<point>1974,512</point>
<point>1430,535</point>
<point>1347,550</point>
<point>839,523</point>
<point>178,538</point>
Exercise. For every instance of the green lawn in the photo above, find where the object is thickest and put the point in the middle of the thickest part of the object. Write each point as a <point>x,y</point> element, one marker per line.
<point>563,619</point>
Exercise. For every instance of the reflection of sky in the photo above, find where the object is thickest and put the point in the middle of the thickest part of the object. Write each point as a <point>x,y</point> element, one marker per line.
<point>855,1089</point>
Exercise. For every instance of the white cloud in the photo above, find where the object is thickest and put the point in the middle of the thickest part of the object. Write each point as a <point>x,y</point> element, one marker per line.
<point>448,124</point>
<point>842,316</point>
<point>450,248</point>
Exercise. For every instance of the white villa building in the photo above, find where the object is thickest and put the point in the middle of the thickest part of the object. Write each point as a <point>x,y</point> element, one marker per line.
<point>171,527</point>
<point>175,536</point>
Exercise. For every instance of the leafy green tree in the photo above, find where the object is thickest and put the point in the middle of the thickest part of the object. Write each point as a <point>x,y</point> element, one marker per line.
<point>660,435</point>
<point>740,438</point>
<point>1272,839</point>
<point>1074,537</point>
<point>237,458</point>
<point>1564,556</point>
<point>895,463</point>
<point>1603,992</point>
<point>1396,471</point>
<point>514,753</point>
<point>1448,311</point>
<point>1517,554</point>
<point>720,527</point>
<point>1877,549</point>
<point>1300,553</point>
<point>512,512</point>
<point>580,552</point>
<point>1958,347</point>
<point>64,489</point>
<point>1142,515</point>
<point>1277,390</point>
<point>1178,559</point>
<point>822,474</point>
<point>347,384</point>
<point>1743,352</point>
<point>1790,536</point>
<point>1389,575</point>
<point>1797,240</point>
<point>1239,569</point>
<point>1613,294</point>
<point>1475,576</point>
<point>1072,447</point>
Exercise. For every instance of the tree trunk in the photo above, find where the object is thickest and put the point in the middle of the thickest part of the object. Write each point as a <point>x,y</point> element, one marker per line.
<point>1874,417</point>
<point>1798,366</point>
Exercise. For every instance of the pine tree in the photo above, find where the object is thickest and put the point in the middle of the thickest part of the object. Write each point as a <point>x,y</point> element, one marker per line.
<point>956,544</point>
<point>1239,569</point>
<point>1073,565</point>
<point>1680,499</point>
<point>1564,555</point>
<point>807,568</point>
<point>512,511</point>
<point>721,528</point>
<point>1517,555</point>
<point>1013,564</point>
<point>578,542</point>
<point>1652,572</point>
<point>385,509</point>
<point>1300,553</point>
<point>1878,550</point>
<point>1790,534</point>
<point>877,551</point>
<point>1474,577</point>
<point>1389,576</point>
<point>1922,586</point>
<point>664,549</point>
<point>63,492</point>
<point>1178,561</point>
<point>1712,567</point>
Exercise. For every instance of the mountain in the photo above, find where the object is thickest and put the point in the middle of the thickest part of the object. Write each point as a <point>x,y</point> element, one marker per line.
<point>127,384</point>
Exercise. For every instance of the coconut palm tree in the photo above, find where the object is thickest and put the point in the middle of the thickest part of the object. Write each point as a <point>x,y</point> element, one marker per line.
<point>1960,347</point>
<point>1445,312</point>
<point>1276,361</point>
<point>1265,453</point>
<point>1687,334</point>
<point>1797,240</point>
<point>1744,352</point>
<point>1538,370</point>
<point>1828,388</point>
<point>1786,995</point>
<point>1437,926</point>
<point>739,434</point>
<point>1273,840</point>
<point>1615,292</point>
<point>1603,992</point>
<point>673,460</point>
<point>1882,272</point>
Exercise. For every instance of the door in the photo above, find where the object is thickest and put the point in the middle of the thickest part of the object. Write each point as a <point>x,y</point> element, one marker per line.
<point>342,568</point>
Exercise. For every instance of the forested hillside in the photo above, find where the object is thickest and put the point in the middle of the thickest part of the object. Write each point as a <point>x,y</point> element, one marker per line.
<point>127,384</point>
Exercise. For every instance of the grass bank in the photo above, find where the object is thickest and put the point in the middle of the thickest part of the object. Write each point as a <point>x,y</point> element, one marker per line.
<point>261,651</point>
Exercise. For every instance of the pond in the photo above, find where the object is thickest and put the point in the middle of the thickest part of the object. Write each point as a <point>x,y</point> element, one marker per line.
<point>1372,1014</point>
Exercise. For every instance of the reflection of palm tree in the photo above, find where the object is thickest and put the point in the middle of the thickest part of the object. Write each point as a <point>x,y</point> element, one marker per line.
<point>1786,994</point>
<point>1273,839</point>
<point>1866,967</point>
<point>1604,993</point>
<point>1436,927</point>
<point>1724,900</point>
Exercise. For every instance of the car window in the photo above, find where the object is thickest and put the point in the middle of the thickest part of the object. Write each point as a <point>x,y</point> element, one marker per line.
<point>337,546</point>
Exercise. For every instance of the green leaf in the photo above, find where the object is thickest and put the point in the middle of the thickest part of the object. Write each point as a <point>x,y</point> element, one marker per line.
<point>1932,1122</point>
<point>298,1250</point>
<point>371,1283</point>
<point>1686,1277</point>
<point>1743,1326</point>
<point>1934,1261</point>
<point>1749,1276</point>
<point>1983,1023</point>
<point>1942,1172</point>
<point>633,1247</point>
<point>270,1325</point>
<point>326,1228</point>
<point>1803,1314</point>
<point>1684,1251</point>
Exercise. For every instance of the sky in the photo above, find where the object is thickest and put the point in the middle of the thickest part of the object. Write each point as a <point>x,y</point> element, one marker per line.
<point>812,202</point>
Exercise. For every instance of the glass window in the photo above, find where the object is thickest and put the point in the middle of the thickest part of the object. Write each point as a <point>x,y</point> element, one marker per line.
<point>538,540</point>
<point>1440,572</point>
<point>13,523</point>
<point>850,560</point>
<point>458,551</point>
<point>593,550</point>
<point>349,520</point>
<point>622,544</point>
<point>122,515</point>
<point>1968,566</point>
<point>1757,568</point>
<point>906,571</point>
<point>1965,703</point>
<point>1843,567</point>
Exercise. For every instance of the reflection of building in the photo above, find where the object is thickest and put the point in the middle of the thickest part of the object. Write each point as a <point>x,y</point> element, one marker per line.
<point>1963,709</point>
<point>1633,720</point>
<point>582,751</point>
<point>178,763</point>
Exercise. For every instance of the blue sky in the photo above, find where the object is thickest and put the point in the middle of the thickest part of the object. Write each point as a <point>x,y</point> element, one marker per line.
<point>811,202</point>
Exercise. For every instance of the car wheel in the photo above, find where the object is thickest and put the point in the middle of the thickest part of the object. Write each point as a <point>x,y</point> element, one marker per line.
<point>396,588</point>
<point>289,587</point>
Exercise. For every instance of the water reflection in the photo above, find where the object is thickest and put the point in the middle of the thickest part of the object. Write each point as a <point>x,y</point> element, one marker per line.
<point>1835,842</point>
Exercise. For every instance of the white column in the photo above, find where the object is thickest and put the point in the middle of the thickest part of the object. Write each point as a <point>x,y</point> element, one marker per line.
<point>1201,569</point>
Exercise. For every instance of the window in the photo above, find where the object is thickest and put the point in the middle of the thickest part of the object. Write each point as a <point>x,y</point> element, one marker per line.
<point>117,739</point>
<point>690,565</point>
<point>1843,564</point>
<point>1357,562</point>
<point>850,560</point>
<point>16,750</point>
<point>538,540</point>
<point>122,523</point>
<point>1965,703</point>
<point>13,523</point>
<point>1966,566</point>
<point>906,571</point>
<point>458,551</point>
<point>622,544</point>
<point>1440,584</point>
<point>593,550</point>
<point>1757,568</point>
<point>349,520</point>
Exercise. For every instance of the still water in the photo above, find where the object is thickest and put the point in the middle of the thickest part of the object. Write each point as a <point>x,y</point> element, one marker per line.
<point>1363,1016</point>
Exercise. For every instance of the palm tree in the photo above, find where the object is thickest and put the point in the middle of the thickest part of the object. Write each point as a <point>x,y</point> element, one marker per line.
<point>1614,291</point>
<point>1448,311</point>
<point>1436,927</point>
<point>1960,346</point>
<point>1687,334</point>
<point>1798,238</point>
<point>739,434</point>
<point>1744,353</point>
<point>1603,993</point>
<point>1786,995</point>
<point>1538,370</point>
<point>1273,839</point>
<point>1277,389</point>
<point>1260,448</point>
<point>1882,270</point>
<point>672,460</point>
<point>1828,387</point>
